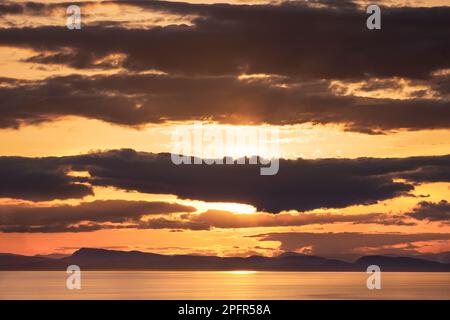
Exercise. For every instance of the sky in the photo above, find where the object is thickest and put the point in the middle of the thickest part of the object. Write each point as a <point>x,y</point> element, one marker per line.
<point>88,118</point>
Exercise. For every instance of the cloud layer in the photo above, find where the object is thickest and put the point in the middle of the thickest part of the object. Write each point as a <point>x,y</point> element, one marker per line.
<point>302,48</point>
<point>345,243</point>
<point>430,211</point>
<point>299,185</point>
<point>135,100</point>
<point>270,39</point>
<point>88,216</point>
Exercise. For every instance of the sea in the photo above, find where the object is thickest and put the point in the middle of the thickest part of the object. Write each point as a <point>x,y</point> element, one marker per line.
<point>234,285</point>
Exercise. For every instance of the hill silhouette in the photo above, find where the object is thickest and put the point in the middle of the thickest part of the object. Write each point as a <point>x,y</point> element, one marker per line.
<point>102,259</point>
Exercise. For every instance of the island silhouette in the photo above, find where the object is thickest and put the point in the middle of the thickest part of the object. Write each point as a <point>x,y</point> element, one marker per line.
<point>102,259</point>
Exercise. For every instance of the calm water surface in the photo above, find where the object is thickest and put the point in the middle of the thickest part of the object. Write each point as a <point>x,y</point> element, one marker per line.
<point>222,285</point>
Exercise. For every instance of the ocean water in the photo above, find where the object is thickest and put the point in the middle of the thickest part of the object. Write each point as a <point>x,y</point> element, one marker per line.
<point>222,285</point>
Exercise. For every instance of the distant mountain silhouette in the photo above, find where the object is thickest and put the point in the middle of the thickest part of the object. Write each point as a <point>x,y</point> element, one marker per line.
<point>443,257</point>
<point>53,255</point>
<point>101,259</point>
<point>402,263</point>
<point>18,262</point>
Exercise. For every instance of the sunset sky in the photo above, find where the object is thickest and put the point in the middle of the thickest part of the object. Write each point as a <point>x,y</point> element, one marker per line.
<point>87,119</point>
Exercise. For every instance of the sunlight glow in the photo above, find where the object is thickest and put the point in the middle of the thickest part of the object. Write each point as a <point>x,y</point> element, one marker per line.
<point>241,272</point>
<point>232,207</point>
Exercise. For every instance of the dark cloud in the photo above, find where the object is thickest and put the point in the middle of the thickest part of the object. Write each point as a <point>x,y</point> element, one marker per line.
<point>120,214</point>
<point>431,211</point>
<point>10,8</point>
<point>39,179</point>
<point>135,100</point>
<point>37,8</point>
<point>307,45</point>
<point>442,84</point>
<point>174,224</point>
<point>94,215</point>
<point>35,103</point>
<point>299,185</point>
<point>335,244</point>
<point>229,220</point>
<point>429,173</point>
<point>288,39</point>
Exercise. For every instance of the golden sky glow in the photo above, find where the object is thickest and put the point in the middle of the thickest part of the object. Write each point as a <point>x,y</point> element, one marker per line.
<point>306,141</point>
<point>78,133</point>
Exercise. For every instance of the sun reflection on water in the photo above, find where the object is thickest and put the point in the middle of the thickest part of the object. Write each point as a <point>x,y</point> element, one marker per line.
<point>241,272</point>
